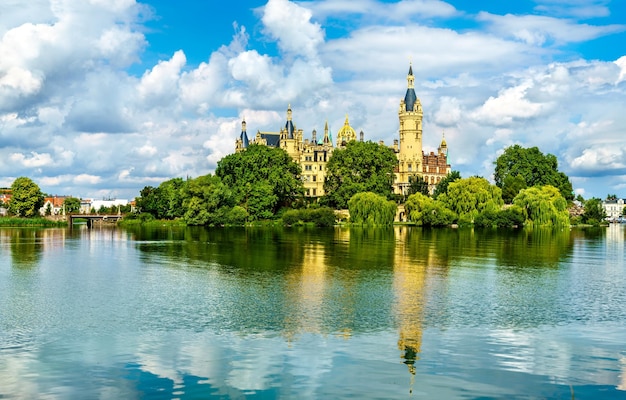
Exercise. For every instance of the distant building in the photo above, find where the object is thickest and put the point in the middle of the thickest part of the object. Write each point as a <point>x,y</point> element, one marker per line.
<point>97,205</point>
<point>313,154</point>
<point>54,204</point>
<point>613,209</point>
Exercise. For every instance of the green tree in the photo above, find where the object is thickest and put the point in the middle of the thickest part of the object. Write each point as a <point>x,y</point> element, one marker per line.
<point>611,197</point>
<point>543,205</point>
<point>594,212</point>
<point>424,211</point>
<point>149,201</point>
<point>442,186</point>
<point>165,201</point>
<point>48,211</point>
<point>360,167</point>
<point>512,186</point>
<point>71,204</point>
<point>26,199</point>
<point>417,184</point>
<point>534,167</point>
<point>207,201</point>
<point>471,196</point>
<point>369,208</point>
<point>263,179</point>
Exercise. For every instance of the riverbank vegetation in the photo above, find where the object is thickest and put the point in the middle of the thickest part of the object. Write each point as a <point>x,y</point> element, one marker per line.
<point>28,222</point>
<point>264,185</point>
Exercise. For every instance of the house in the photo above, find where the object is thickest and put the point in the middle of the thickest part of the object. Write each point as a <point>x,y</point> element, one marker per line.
<point>613,208</point>
<point>54,205</point>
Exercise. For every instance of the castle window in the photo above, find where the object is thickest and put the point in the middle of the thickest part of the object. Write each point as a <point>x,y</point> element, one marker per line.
<point>314,178</point>
<point>410,167</point>
<point>314,192</point>
<point>308,167</point>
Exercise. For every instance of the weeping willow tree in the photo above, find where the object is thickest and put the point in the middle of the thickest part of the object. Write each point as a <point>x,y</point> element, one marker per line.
<point>369,208</point>
<point>543,206</point>
<point>422,210</point>
<point>469,197</point>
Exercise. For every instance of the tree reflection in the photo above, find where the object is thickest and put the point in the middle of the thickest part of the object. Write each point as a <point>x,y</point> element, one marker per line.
<point>26,246</point>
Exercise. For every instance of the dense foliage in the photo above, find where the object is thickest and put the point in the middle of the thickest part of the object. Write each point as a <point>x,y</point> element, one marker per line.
<point>71,205</point>
<point>163,202</point>
<point>543,205</point>
<point>507,218</point>
<point>417,184</point>
<point>262,179</point>
<point>594,212</point>
<point>369,208</point>
<point>442,186</point>
<point>26,199</point>
<point>206,201</point>
<point>518,168</point>
<point>360,167</point>
<point>424,211</point>
<point>318,216</point>
<point>471,196</point>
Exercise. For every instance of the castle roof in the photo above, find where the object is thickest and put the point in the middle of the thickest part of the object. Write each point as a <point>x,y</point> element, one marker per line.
<point>244,135</point>
<point>289,124</point>
<point>346,133</point>
<point>410,97</point>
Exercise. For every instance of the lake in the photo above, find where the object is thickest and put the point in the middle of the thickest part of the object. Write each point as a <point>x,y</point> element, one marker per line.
<point>264,313</point>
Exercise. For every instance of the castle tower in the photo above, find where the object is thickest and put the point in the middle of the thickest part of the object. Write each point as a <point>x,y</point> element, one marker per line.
<point>410,156</point>
<point>443,147</point>
<point>327,140</point>
<point>242,143</point>
<point>289,137</point>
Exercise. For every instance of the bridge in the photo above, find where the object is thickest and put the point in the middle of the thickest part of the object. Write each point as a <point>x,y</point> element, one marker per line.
<point>92,219</point>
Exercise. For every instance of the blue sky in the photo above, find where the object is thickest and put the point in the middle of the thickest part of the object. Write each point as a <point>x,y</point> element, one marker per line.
<point>100,98</point>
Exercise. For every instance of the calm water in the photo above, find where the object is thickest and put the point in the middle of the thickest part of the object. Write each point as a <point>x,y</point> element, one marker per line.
<point>312,314</point>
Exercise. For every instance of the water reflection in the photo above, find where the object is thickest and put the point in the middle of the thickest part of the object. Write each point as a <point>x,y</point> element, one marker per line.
<point>301,313</point>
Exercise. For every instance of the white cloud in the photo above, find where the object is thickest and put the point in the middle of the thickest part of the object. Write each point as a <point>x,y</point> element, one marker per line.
<point>290,24</point>
<point>539,30</point>
<point>86,179</point>
<point>601,158</point>
<point>160,85</point>
<point>68,104</point>
<point>399,12</point>
<point>34,161</point>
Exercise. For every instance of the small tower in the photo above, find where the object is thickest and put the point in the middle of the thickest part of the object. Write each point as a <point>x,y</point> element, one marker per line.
<point>443,147</point>
<point>242,143</point>
<point>327,140</point>
<point>289,137</point>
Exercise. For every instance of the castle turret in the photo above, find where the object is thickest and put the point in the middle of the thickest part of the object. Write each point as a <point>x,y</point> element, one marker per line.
<point>242,143</point>
<point>410,156</point>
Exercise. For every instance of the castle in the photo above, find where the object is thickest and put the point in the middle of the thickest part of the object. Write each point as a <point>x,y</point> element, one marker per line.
<point>312,155</point>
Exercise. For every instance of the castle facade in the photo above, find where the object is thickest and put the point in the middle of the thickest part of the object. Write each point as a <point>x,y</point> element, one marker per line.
<point>313,154</point>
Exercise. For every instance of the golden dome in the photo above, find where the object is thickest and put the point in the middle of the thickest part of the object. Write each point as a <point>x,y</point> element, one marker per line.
<point>346,133</point>
<point>443,140</point>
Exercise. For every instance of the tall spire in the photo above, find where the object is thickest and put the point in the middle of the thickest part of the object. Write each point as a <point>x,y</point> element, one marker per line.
<point>327,139</point>
<point>244,134</point>
<point>410,97</point>
<point>410,78</point>
<point>289,125</point>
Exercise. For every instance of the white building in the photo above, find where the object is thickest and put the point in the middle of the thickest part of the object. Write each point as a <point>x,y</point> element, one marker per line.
<point>88,205</point>
<point>613,209</point>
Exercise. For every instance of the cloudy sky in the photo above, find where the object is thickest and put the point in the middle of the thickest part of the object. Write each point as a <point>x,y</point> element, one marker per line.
<point>99,98</point>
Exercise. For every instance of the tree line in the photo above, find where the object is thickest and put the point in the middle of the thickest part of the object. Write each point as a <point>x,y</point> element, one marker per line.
<point>264,183</point>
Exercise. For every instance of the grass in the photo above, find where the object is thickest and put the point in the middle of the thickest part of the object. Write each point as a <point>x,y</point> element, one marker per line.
<point>18,222</point>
